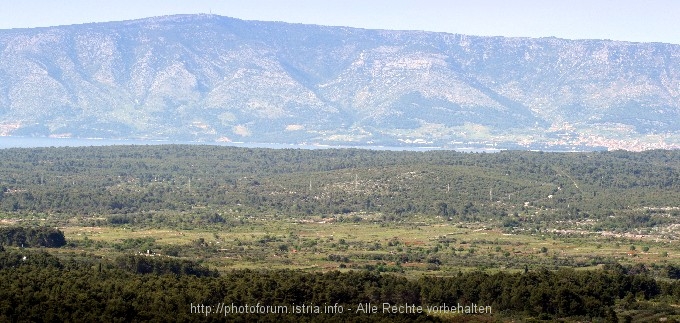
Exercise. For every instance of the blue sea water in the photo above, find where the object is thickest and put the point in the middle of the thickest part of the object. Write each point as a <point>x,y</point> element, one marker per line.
<point>32,142</point>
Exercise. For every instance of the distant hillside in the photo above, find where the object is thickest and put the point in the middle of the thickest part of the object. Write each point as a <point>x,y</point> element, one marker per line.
<point>211,78</point>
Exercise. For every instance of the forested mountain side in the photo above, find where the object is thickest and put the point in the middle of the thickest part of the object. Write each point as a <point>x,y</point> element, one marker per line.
<point>129,183</point>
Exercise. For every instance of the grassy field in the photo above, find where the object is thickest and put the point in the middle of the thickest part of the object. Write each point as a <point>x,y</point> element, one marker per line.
<point>422,245</point>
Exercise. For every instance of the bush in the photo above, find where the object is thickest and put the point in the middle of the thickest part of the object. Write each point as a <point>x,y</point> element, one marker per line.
<point>32,237</point>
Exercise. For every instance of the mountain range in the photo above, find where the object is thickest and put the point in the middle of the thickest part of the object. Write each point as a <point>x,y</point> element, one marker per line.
<point>217,79</point>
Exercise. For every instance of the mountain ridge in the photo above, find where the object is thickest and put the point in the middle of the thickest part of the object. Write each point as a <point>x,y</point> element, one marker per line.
<point>212,78</point>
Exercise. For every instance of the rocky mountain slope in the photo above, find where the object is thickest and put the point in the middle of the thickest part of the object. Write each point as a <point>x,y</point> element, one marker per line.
<point>212,78</point>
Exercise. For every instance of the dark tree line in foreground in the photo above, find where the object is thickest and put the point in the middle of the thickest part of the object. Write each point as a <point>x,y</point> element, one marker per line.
<point>41,287</point>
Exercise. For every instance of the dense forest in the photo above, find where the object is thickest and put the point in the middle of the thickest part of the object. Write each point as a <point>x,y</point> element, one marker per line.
<point>38,287</point>
<point>163,233</point>
<point>126,183</point>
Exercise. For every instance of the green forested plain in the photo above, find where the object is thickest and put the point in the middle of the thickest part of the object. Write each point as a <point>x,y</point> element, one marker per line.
<point>576,236</point>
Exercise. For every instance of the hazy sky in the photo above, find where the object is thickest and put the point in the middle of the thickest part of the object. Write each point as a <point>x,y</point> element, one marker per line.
<point>630,20</point>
